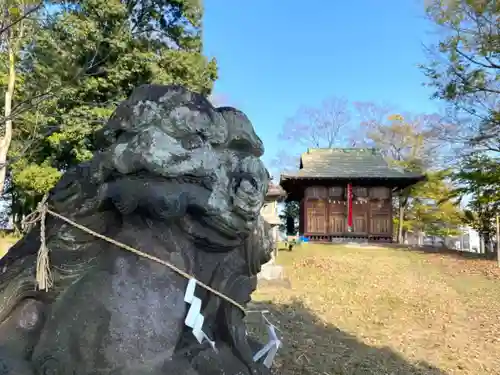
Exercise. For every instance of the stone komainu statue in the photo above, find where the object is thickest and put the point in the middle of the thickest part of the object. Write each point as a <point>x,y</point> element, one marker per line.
<point>178,179</point>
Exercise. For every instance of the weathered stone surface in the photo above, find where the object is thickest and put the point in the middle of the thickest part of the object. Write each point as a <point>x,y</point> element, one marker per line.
<point>175,178</point>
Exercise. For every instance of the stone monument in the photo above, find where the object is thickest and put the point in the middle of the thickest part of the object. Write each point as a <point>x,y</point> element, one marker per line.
<point>269,212</point>
<point>271,270</point>
<point>178,180</point>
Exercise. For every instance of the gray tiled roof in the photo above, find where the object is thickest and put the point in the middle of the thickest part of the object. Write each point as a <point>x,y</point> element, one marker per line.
<point>346,163</point>
<point>275,190</point>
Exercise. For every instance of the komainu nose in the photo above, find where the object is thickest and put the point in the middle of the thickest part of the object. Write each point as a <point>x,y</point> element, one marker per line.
<point>241,134</point>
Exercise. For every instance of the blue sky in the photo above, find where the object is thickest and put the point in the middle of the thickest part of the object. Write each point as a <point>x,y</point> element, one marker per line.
<point>275,56</point>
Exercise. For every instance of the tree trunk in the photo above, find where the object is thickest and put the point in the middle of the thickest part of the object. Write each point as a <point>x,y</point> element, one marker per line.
<point>401,217</point>
<point>498,238</point>
<point>7,136</point>
<point>487,243</point>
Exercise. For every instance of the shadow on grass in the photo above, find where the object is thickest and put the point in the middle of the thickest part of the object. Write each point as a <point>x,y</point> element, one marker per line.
<point>313,347</point>
<point>452,253</point>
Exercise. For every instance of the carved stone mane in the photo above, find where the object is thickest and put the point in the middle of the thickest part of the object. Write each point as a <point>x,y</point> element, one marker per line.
<point>178,179</point>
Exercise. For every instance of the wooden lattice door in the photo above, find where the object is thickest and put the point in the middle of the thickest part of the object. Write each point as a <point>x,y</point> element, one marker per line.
<point>336,217</point>
<point>380,211</point>
<point>316,216</point>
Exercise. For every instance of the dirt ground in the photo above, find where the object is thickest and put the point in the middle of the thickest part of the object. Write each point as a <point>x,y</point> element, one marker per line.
<point>383,311</point>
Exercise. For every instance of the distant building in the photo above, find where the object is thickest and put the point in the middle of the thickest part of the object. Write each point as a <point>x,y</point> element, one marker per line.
<point>468,240</point>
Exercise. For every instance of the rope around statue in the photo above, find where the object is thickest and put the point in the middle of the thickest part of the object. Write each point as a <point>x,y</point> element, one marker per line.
<point>43,273</point>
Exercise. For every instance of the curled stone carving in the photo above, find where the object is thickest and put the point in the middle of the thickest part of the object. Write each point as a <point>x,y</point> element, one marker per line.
<point>173,177</point>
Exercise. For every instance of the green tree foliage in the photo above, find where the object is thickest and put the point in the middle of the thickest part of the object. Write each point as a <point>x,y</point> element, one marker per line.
<point>98,52</point>
<point>465,69</point>
<point>479,183</point>
<point>291,211</point>
<point>16,30</point>
<point>429,211</point>
<point>87,57</point>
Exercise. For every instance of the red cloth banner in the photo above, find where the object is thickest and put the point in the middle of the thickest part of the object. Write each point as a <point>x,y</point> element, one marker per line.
<point>349,207</point>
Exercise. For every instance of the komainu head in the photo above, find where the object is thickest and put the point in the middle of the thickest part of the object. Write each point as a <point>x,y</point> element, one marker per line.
<point>192,161</point>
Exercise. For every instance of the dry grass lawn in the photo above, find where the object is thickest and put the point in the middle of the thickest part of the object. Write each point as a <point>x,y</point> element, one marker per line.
<point>384,311</point>
<point>360,311</point>
<point>5,243</point>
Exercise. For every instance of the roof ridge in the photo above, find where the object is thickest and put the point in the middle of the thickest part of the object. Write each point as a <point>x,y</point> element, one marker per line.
<point>350,163</point>
<point>338,150</point>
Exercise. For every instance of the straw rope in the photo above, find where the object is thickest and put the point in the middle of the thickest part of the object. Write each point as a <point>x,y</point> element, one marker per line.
<point>43,272</point>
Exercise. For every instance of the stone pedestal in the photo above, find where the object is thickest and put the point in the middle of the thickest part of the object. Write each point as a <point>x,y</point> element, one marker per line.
<point>271,271</point>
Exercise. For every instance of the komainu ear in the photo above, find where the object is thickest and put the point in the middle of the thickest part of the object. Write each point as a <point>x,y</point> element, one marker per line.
<point>241,134</point>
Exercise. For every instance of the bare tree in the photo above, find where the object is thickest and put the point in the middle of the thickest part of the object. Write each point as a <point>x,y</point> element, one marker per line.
<point>396,134</point>
<point>406,141</point>
<point>464,69</point>
<point>323,126</point>
<point>284,162</point>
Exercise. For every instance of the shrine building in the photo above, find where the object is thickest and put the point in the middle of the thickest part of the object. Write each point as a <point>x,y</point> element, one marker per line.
<point>346,194</point>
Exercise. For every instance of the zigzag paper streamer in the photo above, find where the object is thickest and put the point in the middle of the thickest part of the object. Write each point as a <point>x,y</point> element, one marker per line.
<point>194,318</point>
<point>271,348</point>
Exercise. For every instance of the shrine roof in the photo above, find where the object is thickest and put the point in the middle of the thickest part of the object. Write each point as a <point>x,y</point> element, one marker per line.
<point>347,164</point>
<point>274,190</point>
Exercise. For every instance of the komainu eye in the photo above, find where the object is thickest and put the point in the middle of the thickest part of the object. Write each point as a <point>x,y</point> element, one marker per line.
<point>254,183</point>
